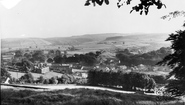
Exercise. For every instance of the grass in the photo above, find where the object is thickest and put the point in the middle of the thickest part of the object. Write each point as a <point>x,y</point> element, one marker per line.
<point>80,97</point>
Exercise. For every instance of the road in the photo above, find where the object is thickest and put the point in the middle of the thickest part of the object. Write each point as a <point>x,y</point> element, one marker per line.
<point>58,87</point>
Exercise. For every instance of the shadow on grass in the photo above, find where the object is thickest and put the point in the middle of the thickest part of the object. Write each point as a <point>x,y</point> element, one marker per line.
<point>77,97</point>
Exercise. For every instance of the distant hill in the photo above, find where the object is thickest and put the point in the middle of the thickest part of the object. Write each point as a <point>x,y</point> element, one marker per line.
<point>91,42</point>
<point>114,38</point>
<point>24,42</point>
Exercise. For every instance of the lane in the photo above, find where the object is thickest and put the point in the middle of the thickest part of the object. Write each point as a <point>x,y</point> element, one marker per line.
<point>66,86</point>
<point>58,87</point>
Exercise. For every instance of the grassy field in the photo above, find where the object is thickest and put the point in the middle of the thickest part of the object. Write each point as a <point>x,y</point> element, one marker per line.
<point>81,97</point>
<point>88,43</point>
<point>47,75</point>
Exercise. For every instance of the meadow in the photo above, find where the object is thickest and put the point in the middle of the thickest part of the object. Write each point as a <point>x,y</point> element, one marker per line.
<point>81,97</point>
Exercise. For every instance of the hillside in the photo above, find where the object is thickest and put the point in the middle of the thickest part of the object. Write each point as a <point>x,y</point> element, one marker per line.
<point>81,97</point>
<point>23,42</point>
<point>91,42</point>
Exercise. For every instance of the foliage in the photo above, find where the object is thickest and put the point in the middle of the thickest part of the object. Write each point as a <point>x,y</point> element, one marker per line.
<point>81,81</point>
<point>18,53</point>
<point>174,15</point>
<point>4,74</point>
<point>176,87</point>
<point>25,65</point>
<point>46,81</point>
<point>149,58</point>
<point>176,61</point>
<point>66,79</point>
<point>159,79</point>
<point>128,81</point>
<point>58,59</point>
<point>50,60</point>
<point>53,80</point>
<point>38,56</point>
<point>73,97</point>
<point>40,79</point>
<point>27,55</point>
<point>88,59</point>
<point>28,78</point>
<point>143,6</point>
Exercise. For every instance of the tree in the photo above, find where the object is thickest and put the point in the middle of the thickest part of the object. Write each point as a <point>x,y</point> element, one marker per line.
<point>41,79</point>
<point>18,53</point>
<point>151,84</point>
<point>46,81</point>
<point>38,56</point>
<point>58,59</point>
<point>4,74</point>
<point>49,60</point>
<point>174,15</point>
<point>28,78</point>
<point>143,6</point>
<point>53,80</point>
<point>27,55</point>
<point>25,65</point>
<point>176,60</point>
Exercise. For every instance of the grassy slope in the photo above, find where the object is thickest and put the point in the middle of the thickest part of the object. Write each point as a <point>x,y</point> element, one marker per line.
<point>77,97</point>
<point>89,42</point>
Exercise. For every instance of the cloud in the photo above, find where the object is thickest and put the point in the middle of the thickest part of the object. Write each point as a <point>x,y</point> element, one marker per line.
<point>9,3</point>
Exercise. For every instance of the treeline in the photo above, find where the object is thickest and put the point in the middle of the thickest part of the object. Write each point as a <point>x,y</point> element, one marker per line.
<point>64,79</point>
<point>88,59</point>
<point>150,58</point>
<point>34,56</point>
<point>127,81</point>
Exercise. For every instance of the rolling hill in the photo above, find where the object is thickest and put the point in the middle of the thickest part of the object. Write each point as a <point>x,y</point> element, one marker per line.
<point>91,42</point>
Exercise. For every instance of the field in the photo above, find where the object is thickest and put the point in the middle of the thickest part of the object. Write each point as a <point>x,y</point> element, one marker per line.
<point>47,75</point>
<point>92,42</point>
<point>81,97</point>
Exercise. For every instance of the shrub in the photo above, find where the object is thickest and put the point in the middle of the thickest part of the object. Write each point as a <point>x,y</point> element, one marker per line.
<point>28,78</point>
<point>40,79</point>
<point>128,81</point>
<point>75,97</point>
<point>53,80</point>
<point>46,81</point>
<point>159,79</point>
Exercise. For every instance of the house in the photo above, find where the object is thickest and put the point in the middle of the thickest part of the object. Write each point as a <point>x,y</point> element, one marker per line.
<point>61,68</point>
<point>43,70</point>
<point>80,72</point>
<point>45,51</point>
<point>7,57</point>
<point>51,74</point>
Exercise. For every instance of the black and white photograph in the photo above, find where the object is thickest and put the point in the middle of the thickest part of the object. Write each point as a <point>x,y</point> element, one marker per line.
<point>92,52</point>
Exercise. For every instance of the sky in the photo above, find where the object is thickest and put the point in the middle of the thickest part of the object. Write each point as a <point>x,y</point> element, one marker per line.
<point>62,18</point>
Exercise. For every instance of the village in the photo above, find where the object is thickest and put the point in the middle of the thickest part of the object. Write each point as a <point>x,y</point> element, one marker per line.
<point>17,64</point>
<point>56,66</point>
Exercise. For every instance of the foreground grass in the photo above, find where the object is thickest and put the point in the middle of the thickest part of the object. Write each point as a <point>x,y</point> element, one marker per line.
<point>80,97</point>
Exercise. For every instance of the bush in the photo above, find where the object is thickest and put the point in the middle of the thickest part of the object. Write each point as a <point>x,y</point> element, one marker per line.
<point>66,79</point>
<point>53,80</point>
<point>159,79</point>
<point>46,81</point>
<point>28,78</point>
<point>75,97</point>
<point>128,81</point>
<point>81,81</point>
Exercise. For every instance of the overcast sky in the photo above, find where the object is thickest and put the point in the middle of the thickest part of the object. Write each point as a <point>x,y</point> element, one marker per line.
<point>60,18</point>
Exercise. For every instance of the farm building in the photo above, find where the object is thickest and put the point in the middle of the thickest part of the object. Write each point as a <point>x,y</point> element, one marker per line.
<point>61,68</point>
<point>51,74</point>
<point>81,73</point>
<point>18,75</point>
<point>43,70</point>
<point>47,75</point>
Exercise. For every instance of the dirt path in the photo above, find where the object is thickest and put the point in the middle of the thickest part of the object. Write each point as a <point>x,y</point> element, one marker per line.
<point>58,87</point>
